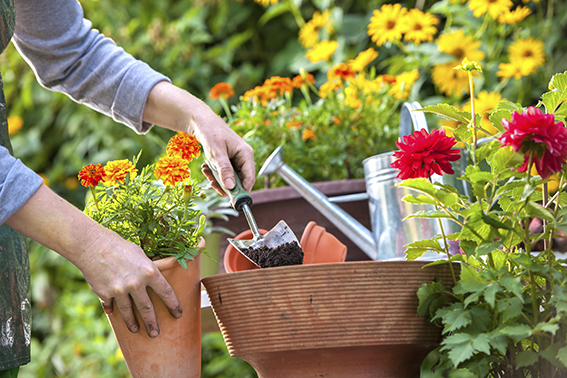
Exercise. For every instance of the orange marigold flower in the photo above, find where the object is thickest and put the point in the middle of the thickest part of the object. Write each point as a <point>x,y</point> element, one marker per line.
<point>184,145</point>
<point>91,175</point>
<point>172,169</point>
<point>281,84</point>
<point>293,124</point>
<point>342,71</point>
<point>300,80</point>
<point>117,170</point>
<point>308,134</point>
<point>221,90</point>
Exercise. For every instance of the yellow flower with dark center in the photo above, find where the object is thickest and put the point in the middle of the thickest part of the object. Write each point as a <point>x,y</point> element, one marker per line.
<point>385,24</point>
<point>184,145</point>
<point>309,34</point>
<point>516,69</point>
<point>494,7</point>
<point>15,123</point>
<point>448,80</point>
<point>485,102</point>
<point>404,82</point>
<point>418,26</point>
<point>363,59</point>
<point>460,46</point>
<point>172,170</point>
<point>116,171</point>
<point>527,49</point>
<point>322,51</point>
<point>329,86</point>
<point>515,16</point>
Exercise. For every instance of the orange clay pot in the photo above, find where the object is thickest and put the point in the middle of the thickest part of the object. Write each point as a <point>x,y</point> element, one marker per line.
<point>176,352</point>
<point>352,319</point>
<point>318,245</point>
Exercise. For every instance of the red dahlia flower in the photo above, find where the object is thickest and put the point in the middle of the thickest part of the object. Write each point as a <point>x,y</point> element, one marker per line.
<point>422,154</point>
<point>537,134</point>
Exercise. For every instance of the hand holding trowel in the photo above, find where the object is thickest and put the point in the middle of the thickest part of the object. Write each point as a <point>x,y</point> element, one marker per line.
<point>278,247</point>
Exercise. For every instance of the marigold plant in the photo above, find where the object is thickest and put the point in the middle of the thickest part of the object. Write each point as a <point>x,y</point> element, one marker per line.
<point>153,208</point>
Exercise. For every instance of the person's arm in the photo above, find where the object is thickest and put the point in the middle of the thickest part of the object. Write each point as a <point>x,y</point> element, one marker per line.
<point>115,268</point>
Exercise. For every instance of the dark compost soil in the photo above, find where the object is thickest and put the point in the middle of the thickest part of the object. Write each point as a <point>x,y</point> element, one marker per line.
<point>284,254</point>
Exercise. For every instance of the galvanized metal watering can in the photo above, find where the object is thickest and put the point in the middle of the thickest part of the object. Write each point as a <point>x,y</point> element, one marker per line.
<point>389,233</point>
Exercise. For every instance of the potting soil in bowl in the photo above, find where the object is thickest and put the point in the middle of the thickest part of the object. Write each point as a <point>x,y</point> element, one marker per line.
<point>284,254</point>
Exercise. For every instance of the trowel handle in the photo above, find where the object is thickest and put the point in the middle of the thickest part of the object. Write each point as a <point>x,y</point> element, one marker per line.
<point>238,196</point>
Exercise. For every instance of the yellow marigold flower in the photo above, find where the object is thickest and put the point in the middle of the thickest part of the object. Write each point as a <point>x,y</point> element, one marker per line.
<point>460,46</point>
<point>385,24</point>
<point>281,84</point>
<point>116,171</point>
<point>308,134</point>
<point>184,145</point>
<point>419,26</point>
<point>329,86</point>
<point>15,123</point>
<point>309,34</point>
<point>450,81</point>
<point>485,102</point>
<point>516,69</point>
<point>221,90</point>
<point>341,71</point>
<point>322,51</point>
<point>363,59</point>
<point>267,3</point>
<point>172,169</point>
<point>300,80</point>
<point>516,16</point>
<point>404,82</point>
<point>527,49</point>
<point>494,7</point>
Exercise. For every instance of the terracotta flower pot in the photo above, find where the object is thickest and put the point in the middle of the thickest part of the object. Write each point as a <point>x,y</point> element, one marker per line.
<point>176,352</point>
<point>319,246</point>
<point>351,319</point>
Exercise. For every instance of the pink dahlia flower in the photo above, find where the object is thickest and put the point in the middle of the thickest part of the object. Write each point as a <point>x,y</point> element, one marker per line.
<point>537,134</point>
<point>422,154</point>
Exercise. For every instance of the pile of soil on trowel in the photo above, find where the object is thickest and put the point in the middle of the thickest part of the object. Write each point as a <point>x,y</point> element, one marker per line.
<point>284,254</point>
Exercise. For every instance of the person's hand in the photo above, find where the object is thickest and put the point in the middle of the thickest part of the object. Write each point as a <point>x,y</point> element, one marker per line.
<point>117,270</point>
<point>173,108</point>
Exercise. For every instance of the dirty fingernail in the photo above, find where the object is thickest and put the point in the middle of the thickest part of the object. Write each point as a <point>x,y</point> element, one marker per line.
<point>154,333</point>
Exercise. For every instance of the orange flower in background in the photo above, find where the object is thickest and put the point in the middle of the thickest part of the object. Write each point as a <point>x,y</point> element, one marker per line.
<point>184,145</point>
<point>279,84</point>
<point>221,90</point>
<point>308,134</point>
<point>15,123</point>
<point>342,71</point>
<point>300,80</point>
<point>172,169</point>
<point>293,124</point>
<point>91,175</point>
<point>262,94</point>
<point>116,171</point>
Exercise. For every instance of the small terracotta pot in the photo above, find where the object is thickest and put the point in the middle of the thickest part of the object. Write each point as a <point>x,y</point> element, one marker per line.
<point>352,319</point>
<point>176,352</point>
<point>318,246</point>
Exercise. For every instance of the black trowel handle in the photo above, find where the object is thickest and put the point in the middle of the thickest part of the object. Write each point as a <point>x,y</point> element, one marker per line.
<point>238,196</point>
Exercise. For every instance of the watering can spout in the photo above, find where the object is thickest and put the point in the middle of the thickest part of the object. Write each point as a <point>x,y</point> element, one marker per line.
<point>359,234</point>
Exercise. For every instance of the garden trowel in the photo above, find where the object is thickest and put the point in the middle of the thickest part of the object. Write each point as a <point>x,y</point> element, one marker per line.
<point>279,239</point>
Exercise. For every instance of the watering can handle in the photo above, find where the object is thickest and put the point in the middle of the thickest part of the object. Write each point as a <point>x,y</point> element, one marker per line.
<point>410,119</point>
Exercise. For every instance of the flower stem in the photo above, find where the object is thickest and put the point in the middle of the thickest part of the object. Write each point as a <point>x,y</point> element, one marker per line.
<point>94,198</point>
<point>226,108</point>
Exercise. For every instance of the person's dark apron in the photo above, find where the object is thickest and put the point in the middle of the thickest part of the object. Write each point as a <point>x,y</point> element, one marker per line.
<point>15,311</point>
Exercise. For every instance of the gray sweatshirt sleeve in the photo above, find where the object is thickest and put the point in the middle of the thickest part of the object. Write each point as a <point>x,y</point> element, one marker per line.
<point>17,184</point>
<point>68,56</point>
